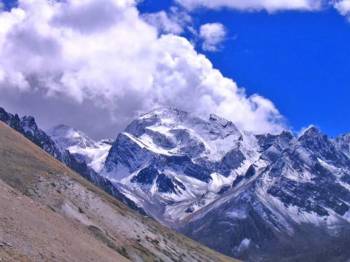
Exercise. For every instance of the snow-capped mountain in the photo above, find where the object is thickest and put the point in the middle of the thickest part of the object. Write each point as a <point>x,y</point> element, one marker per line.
<point>28,127</point>
<point>343,144</point>
<point>293,207</point>
<point>257,197</point>
<point>64,138</point>
<point>173,164</point>
<point>81,146</point>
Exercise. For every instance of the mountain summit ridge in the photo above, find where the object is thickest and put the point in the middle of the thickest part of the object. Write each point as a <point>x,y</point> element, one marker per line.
<point>208,178</point>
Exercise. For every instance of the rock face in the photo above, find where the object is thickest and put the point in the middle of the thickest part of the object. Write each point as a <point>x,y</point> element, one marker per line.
<point>257,197</point>
<point>71,147</point>
<point>294,207</point>
<point>343,144</point>
<point>28,127</point>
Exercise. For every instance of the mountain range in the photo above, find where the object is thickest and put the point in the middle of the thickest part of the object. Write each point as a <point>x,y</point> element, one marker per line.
<point>50,213</point>
<point>266,197</point>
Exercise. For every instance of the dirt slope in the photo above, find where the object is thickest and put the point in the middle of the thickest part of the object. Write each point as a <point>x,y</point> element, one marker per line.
<point>29,230</point>
<point>49,213</point>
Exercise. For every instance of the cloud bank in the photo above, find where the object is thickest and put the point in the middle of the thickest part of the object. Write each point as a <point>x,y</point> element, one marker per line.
<point>254,5</point>
<point>103,54</point>
<point>271,6</point>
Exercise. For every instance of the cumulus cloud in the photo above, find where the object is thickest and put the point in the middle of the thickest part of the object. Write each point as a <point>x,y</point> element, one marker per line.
<point>115,62</point>
<point>165,24</point>
<point>174,21</point>
<point>254,5</point>
<point>343,7</point>
<point>212,35</point>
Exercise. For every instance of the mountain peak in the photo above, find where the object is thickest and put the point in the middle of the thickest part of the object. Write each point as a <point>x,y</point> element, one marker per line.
<point>164,112</point>
<point>29,121</point>
<point>311,131</point>
<point>82,147</point>
<point>4,116</point>
<point>66,136</point>
<point>171,115</point>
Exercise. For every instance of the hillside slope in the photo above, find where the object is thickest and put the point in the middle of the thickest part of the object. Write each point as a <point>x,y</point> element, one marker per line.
<point>49,213</point>
<point>30,231</point>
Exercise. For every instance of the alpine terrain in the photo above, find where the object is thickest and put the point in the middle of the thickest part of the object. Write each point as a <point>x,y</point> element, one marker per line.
<point>256,197</point>
<point>50,213</point>
<point>281,197</point>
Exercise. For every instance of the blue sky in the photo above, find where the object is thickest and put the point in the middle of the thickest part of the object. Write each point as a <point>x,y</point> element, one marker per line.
<point>299,60</point>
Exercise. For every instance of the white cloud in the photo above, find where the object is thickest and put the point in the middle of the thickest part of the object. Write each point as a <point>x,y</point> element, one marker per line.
<point>212,35</point>
<point>254,5</point>
<point>343,7</point>
<point>163,22</point>
<point>174,21</point>
<point>117,61</point>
